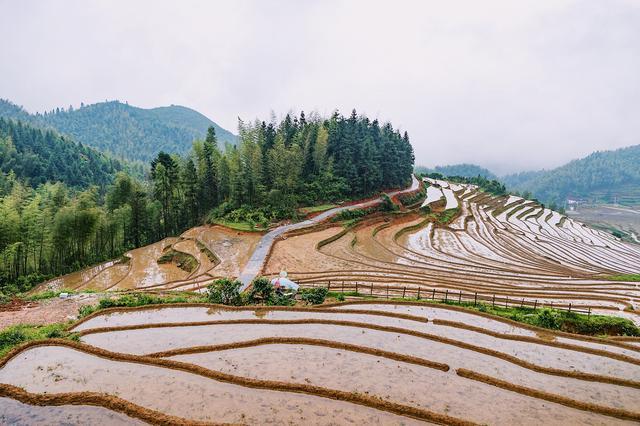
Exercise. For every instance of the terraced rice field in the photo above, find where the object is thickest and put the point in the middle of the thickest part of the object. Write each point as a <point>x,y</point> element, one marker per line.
<point>351,363</point>
<point>504,246</point>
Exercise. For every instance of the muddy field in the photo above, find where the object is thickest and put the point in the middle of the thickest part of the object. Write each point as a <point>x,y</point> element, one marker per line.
<point>354,363</point>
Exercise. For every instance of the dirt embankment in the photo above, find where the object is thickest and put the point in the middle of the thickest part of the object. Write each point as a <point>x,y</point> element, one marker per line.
<point>47,311</point>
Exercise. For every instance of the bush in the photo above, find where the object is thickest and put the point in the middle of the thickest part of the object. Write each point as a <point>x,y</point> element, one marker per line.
<point>11,337</point>
<point>314,296</point>
<point>261,289</point>
<point>387,204</point>
<point>340,297</point>
<point>281,300</point>
<point>548,318</point>
<point>226,292</point>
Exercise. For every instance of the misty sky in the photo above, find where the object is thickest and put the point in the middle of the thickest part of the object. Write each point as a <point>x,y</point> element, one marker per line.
<point>510,85</point>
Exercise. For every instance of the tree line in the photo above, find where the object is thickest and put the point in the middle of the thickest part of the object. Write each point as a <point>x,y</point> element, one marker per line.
<point>275,168</point>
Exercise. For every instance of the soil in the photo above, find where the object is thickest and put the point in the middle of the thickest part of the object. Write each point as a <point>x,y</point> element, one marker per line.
<point>47,311</point>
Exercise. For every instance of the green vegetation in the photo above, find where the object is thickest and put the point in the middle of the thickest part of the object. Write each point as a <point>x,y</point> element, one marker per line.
<point>448,215</point>
<point>184,261</point>
<point>239,226</point>
<point>36,157</point>
<point>412,200</point>
<point>316,209</point>
<point>123,130</point>
<point>314,296</point>
<point>261,290</point>
<point>602,177</point>
<point>16,335</point>
<point>624,277</point>
<point>276,167</point>
<point>138,299</point>
<point>555,319</point>
<point>464,170</point>
<point>225,292</point>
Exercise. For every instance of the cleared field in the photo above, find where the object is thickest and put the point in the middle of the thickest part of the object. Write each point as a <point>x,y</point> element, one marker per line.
<point>216,251</point>
<point>353,363</point>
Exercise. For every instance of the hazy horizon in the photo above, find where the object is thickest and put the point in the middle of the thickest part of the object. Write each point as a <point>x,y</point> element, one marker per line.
<point>508,86</point>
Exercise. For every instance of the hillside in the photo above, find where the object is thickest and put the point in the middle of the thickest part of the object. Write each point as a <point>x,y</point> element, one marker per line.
<point>464,170</point>
<point>39,156</point>
<point>126,131</point>
<point>602,177</point>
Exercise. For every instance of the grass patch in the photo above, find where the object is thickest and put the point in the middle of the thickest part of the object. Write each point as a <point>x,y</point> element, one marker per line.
<point>316,209</point>
<point>448,215</point>
<point>624,277</point>
<point>184,261</point>
<point>554,319</point>
<point>139,299</point>
<point>18,334</point>
<point>239,226</point>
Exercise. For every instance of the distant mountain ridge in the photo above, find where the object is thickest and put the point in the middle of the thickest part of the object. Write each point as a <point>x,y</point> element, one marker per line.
<point>464,170</point>
<point>601,177</point>
<point>125,131</point>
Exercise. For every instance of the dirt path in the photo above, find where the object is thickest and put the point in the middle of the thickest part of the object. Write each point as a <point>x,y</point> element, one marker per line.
<point>256,262</point>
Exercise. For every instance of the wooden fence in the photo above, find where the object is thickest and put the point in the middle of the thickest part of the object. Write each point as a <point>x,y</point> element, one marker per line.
<point>447,296</point>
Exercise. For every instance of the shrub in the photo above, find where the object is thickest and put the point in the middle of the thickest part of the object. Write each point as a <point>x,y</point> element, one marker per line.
<point>225,291</point>
<point>261,289</point>
<point>387,204</point>
<point>11,337</point>
<point>281,300</point>
<point>314,296</point>
<point>340,297</point>
<point>548,318</point>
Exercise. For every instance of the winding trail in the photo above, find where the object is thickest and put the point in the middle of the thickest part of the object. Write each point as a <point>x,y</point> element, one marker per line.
<point>256,262</point>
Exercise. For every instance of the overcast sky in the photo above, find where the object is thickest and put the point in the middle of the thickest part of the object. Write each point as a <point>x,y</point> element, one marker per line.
<point>510,85</point>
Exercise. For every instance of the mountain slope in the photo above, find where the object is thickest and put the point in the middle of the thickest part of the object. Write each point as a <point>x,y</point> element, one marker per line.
<point>126,131</point>
<point>38,156</point>
<point>604,176</point>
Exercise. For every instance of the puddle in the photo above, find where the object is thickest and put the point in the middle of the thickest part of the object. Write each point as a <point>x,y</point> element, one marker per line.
<point>16,413</point>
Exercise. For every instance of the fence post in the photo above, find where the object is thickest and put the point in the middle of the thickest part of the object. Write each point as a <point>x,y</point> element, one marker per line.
<point>329,286</point>
<point>433,297</point>
<point>535,304</point>
<point>522,304</point>
<point>589,313</point>
<point>404,290</point>
<point>387,291</point>
<point>356,288</point>
<point>569,306</point>
<point>552,304</point>
<point>418,294</point>
<point>506,302</point>
<point>493,301</point>
<point>475,299</point>
<point>446,296</point>
<point>342,287</point>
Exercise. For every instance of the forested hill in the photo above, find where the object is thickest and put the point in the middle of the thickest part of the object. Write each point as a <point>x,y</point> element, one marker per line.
<point>604,176</point>
<point>123,130</point>
<point>464,170</point>
<point>37,156</point>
